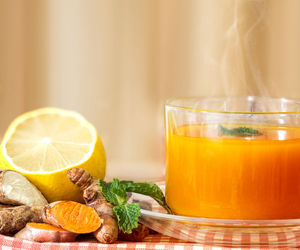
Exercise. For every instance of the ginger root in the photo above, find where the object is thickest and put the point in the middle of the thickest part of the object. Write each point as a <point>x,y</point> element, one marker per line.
<point>15,189</point>
<point>108,232</point>
<point>42,232</point>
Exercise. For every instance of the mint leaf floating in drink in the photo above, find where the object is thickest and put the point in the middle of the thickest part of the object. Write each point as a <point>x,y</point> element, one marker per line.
<point>115,192</point>
<point>239,131</point>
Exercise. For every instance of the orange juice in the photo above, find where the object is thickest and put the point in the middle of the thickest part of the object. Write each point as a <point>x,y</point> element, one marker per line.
<point>215,176</point>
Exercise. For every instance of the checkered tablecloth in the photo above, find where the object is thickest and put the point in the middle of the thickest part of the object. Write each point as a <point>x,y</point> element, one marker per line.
<point>156,241</point>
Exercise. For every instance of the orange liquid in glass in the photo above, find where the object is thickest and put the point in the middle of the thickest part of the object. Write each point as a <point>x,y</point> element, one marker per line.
<point>224,177</point>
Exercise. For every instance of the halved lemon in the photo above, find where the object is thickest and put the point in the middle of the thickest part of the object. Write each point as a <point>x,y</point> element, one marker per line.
<point>45,143</point>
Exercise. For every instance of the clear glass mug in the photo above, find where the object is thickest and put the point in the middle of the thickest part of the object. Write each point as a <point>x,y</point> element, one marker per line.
<point>233,158</point>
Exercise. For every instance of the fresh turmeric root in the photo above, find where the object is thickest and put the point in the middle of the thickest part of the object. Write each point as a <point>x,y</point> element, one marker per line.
<point>69,215</point>
<point>42,232</point>
<point>13,219</point>
<point>108,232</point>
<point>93,197</point>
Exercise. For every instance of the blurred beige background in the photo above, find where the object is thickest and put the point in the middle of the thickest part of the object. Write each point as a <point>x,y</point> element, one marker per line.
<point>116,62</point>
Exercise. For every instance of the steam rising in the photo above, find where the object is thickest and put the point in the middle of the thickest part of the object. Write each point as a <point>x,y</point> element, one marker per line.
<point>238,62</point>
<point>242,58</point>
<point>241,61</point>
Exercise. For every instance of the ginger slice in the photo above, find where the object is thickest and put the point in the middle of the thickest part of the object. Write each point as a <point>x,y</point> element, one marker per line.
<point>16,189</point>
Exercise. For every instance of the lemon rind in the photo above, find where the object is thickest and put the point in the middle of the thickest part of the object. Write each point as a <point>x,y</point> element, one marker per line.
<point>48,110</point>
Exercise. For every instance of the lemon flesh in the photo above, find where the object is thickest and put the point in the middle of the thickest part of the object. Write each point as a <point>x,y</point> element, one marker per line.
<point>44,144</point>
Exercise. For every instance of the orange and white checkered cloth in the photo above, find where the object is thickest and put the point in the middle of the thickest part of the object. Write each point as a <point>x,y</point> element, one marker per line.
<point>155,241</point>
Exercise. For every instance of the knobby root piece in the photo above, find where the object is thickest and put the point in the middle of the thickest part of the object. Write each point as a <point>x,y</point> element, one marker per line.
<point>108,232</point>
<point>15,189</point>
<point>15,218</point>
<point>138,234</point>
<point>42,232</point>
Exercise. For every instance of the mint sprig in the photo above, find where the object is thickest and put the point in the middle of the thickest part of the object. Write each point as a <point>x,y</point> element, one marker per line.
<point>115,192</point>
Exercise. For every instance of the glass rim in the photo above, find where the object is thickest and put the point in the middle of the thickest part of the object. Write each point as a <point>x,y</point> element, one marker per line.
<point>170,103</point>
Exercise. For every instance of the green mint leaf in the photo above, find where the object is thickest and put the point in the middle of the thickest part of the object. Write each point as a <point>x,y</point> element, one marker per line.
<point>149,189</point>
<point>128,216</point>
<point>114,192</point>
<point>239,131</point>
<point>120,191</point>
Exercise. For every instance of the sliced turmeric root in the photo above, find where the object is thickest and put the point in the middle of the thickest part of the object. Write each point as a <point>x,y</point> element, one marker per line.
<point>68,215</point>
<point>44,226</point>
<point>42,232</point>
<point>73,217</point>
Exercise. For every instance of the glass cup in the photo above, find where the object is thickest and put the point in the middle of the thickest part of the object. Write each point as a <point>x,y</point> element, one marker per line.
<point>233,158</point>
